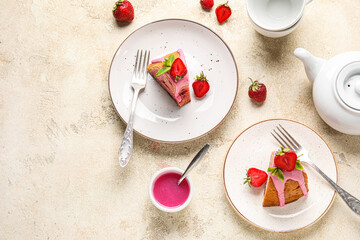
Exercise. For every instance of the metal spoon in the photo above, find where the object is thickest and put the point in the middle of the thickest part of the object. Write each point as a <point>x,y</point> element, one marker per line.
<point>194,162</point>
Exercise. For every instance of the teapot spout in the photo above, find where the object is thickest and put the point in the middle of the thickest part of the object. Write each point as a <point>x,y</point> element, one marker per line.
<point>312,64</point>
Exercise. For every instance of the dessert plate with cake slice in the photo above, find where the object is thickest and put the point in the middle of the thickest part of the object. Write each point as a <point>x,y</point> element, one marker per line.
<point>168,110</point>
<point>297,201</point>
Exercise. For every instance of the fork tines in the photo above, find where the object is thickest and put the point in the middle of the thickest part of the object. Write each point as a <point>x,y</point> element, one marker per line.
<point>285,139</point>
<point>141,62</point>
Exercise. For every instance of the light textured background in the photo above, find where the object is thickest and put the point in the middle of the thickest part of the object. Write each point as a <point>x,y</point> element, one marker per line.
<point>59,172</point>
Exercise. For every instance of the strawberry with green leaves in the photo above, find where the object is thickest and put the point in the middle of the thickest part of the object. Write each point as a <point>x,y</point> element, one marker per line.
<point>255,177</point>
<point>287,160</point>
<point>176,67</point>
<point>223,12</point>
<point>257,91</point>
<point>166,65</point>
<point>201,85</point>
<point>123,11</point>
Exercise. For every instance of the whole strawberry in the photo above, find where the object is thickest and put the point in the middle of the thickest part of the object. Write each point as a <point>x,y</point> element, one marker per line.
<point>223,12</point>
<point>207,4</point>
<point>123,11</point>
<point>257,91</point>
<point>201,85</point>
<point>255,177</point>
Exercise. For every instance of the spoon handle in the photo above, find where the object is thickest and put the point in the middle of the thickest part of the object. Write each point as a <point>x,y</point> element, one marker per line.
<point>195,161</point>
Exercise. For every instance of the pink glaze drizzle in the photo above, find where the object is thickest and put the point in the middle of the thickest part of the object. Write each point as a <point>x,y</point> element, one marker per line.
<point>295,175</point>
<point>180,83</point>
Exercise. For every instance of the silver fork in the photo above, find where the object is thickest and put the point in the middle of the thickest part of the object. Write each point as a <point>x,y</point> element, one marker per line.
<point>138,83</point>
<point>286,140</point>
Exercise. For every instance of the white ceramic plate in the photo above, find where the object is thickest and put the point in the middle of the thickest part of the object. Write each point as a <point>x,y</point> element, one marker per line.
<point>157,115</point>
<point>252,148</point>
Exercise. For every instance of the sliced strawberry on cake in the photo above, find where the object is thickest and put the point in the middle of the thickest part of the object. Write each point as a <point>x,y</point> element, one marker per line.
<point>171,73</point>
<point>287,181</point>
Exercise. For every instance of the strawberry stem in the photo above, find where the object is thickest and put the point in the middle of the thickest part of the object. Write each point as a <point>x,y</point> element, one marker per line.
<point>118,3</point>
<point>282,151</point>
<point>202,77</point>
<point>247,179</point>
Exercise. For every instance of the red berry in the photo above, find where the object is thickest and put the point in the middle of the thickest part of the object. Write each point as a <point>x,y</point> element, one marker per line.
<point>285,159</point>
<point>207,4</point>
<point>257,91</point>
<point>178,69</point>
<point>201,85</point>
<point>223,12</point>
<point>123,11</point>
<point>255,177</point>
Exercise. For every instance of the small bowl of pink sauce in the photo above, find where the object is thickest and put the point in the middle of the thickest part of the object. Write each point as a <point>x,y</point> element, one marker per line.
<point>164,192</point>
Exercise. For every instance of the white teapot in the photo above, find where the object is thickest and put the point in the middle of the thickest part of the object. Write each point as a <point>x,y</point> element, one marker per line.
<point>336,89</point>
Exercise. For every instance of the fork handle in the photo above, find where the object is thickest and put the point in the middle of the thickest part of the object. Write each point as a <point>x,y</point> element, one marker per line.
<point>126,146</point>
<point>350,200</point>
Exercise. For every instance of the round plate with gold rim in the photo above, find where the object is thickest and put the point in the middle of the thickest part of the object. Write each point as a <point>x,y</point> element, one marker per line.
<point>157,115</point>
<point>252,148</point>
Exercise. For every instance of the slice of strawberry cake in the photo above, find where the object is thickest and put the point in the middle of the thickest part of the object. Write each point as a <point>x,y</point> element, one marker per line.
<point>171,73</point>
<point>293,186</point>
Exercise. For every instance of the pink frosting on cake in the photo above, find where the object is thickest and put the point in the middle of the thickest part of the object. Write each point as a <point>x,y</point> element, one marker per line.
<point>295,175</point>
<point>180,83</point>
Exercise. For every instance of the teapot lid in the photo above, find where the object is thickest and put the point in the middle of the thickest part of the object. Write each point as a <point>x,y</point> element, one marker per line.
<point>348,85</point>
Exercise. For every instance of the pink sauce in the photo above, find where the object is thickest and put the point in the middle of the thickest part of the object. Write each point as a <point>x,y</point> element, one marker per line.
<point>180,83</point>
<point>168,193</point>
<point>295,175</point>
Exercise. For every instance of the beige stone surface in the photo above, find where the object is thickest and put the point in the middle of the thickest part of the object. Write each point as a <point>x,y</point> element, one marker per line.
<point>59,171</point>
